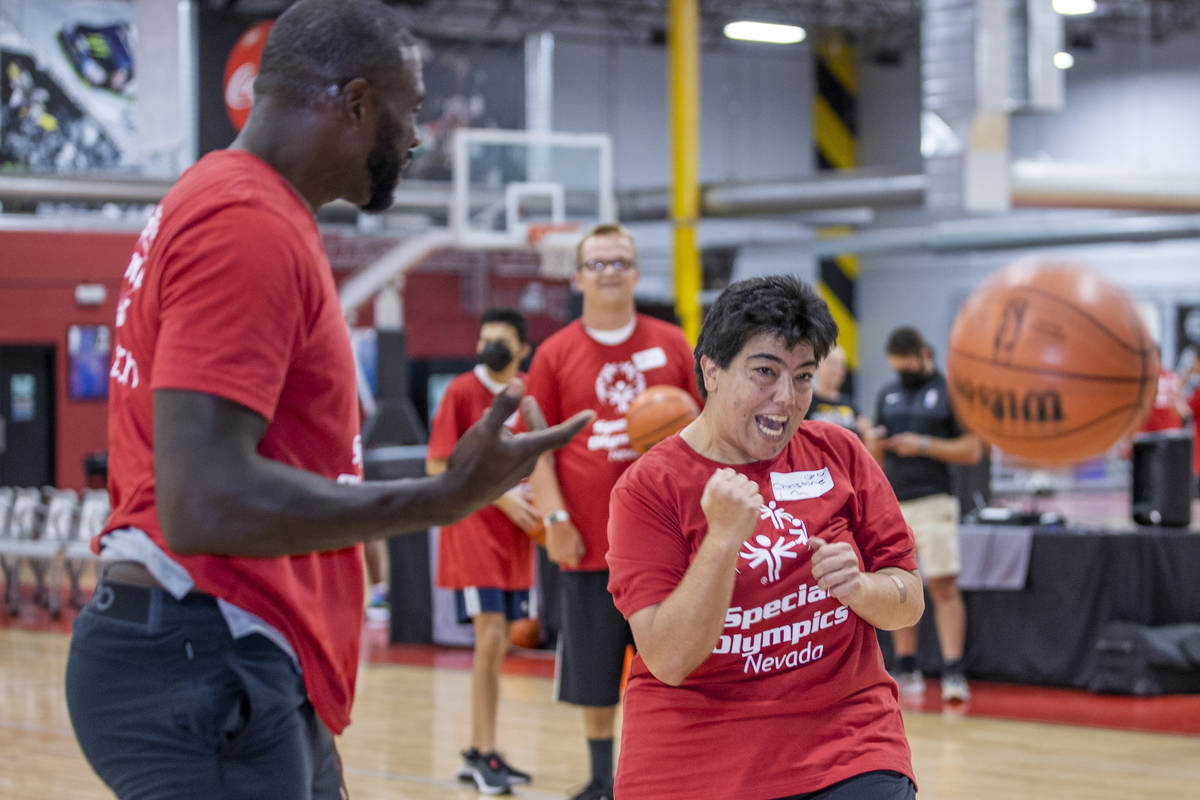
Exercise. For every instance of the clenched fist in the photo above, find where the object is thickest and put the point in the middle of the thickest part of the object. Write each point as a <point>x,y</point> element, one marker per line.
<point>835,569</point>
<point>731,503</point>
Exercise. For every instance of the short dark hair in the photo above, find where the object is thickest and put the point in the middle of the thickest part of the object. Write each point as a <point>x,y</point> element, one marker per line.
<point>905,341</point>
<point>604,229</point>
<point>782,305</point>
<point>316,44</point>
<point>509,316</point>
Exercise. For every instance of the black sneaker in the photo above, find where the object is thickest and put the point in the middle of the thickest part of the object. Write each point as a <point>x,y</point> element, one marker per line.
<point>489,777</point>
<point>515,776</point>
<point>594,791</point>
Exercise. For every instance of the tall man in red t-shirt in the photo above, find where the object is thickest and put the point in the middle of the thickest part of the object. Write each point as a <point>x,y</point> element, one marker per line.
<point>218,655</point>
<point>602,361</point>
<point>486,558</point>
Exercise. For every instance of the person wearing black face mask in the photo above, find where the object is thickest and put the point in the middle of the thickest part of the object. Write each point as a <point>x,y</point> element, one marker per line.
<point>916,440</point>
<point>495,355</point>
<point>487,557</point>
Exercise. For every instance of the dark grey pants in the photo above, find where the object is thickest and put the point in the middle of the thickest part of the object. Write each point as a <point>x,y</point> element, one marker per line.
<point>881,785</point>
<point>166,704</point>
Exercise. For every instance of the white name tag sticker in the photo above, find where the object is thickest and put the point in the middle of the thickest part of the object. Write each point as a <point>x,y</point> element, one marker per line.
<point>650,359</point>
<point>803,485</point>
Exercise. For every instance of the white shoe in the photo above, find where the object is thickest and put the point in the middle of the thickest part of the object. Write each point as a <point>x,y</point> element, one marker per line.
<point>911,683</point>
<point>955,689</point>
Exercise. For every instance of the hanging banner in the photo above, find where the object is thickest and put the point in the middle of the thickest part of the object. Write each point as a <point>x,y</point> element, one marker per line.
<point>67,84</point>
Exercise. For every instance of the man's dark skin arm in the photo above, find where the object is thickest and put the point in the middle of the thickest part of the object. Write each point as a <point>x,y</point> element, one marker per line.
<point>216,495</point>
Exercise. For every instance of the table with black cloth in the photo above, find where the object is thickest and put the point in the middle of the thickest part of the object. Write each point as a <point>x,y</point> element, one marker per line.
<point>1041,628</point>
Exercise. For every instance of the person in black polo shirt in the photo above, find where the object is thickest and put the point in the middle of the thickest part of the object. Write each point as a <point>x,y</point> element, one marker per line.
<point>916,439</point>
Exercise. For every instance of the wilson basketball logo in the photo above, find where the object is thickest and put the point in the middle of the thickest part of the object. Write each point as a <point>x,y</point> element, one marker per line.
<point>1006,405</point>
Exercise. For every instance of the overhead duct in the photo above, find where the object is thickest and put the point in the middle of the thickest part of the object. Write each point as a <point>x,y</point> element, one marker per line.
<point>964,95</point>
<point>849,189</point>
<point>1008,233</point>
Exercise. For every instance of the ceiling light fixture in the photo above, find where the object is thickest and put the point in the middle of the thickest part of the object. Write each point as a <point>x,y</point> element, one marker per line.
<point>1064,60</point>
<point>1074,8</point>
<point>769,32</point>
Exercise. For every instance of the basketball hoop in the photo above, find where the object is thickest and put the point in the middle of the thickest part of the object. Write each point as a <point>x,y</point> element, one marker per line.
<point>555,243</point>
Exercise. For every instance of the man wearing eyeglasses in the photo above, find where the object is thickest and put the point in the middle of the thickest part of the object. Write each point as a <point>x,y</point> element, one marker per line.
<point>602,361</point>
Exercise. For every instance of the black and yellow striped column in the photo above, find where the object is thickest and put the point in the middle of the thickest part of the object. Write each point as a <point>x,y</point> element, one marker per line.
<point>835,137</point>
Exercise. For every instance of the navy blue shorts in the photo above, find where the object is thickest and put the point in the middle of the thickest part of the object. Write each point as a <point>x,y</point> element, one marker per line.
<point>513,604</point>
<point>166,703</point>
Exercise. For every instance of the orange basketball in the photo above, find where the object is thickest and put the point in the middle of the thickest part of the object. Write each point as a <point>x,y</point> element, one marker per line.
<point>657,413</point>
<point>1050,363</point>
<point>526,633</point>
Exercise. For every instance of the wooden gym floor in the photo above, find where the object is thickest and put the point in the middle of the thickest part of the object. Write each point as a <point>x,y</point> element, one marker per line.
<point>413,714</point>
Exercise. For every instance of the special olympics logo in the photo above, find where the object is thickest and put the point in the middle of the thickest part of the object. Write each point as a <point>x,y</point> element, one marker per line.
<point>618,383</point>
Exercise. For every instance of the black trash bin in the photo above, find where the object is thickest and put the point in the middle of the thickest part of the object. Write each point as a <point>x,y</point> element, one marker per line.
<point>1162,478</point>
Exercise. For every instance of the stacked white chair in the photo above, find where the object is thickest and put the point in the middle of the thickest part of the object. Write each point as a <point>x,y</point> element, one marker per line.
<point>77,553</point>
<point>58,528</point>
<point>19,541</point>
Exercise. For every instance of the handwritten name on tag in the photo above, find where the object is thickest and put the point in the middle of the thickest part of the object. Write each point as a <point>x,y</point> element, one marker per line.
<point>802,485</point>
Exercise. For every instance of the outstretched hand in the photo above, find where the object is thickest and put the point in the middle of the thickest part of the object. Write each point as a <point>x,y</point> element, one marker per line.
<point>488,459</point>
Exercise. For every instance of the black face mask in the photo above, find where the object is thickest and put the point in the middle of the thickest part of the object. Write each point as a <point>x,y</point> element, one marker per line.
<point>911,379</point>
<point>495,356</point>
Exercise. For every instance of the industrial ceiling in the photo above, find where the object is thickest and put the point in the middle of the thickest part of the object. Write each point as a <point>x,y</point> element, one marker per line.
<point>884,27</point>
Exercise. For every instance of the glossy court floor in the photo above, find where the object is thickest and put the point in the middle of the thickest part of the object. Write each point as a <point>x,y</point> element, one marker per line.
<point>412,716</point>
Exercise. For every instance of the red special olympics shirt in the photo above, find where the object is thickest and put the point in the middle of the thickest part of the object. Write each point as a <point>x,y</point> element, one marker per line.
<point>486,549</point>
<point>1163,414</point>
<point>229,293</point>
<point>572,372</point>
<point>794,696</point>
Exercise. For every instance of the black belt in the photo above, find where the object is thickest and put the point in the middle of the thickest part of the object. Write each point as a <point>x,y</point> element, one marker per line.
<point>133,603</point>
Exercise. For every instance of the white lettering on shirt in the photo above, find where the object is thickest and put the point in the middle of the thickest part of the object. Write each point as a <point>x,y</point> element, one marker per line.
<point>124,368</point>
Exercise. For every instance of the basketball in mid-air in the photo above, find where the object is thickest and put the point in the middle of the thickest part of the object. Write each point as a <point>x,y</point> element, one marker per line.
<point>1050,363</point>
<point>657,413</point>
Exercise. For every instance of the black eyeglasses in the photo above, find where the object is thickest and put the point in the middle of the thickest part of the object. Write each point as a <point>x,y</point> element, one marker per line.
<point>599,264</point>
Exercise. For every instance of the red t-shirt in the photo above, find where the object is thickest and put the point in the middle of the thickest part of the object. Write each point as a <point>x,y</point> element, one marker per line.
<point>1163,414</point>
<point>1193,402</point>
<point>229,293</point>
<point>486,549</point>
<point>794,697</point>
<point>572,372</point>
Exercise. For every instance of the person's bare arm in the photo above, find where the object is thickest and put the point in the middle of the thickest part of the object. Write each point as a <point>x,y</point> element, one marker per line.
<point>676,636</point>
<point>216,495</point>
<point>564,543</point>
<point>964,449</point>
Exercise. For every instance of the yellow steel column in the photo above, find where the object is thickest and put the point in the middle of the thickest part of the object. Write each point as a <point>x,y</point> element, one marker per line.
<point>684,42</point>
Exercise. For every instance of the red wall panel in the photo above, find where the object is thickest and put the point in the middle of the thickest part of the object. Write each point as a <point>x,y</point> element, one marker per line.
<point>38,274</point>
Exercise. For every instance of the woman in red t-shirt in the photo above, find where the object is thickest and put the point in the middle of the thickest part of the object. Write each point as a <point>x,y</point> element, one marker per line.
<point>754,556</point>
